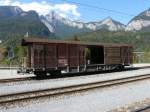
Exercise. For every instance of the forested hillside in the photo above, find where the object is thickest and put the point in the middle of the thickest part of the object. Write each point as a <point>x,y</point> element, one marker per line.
<point>139,40</point>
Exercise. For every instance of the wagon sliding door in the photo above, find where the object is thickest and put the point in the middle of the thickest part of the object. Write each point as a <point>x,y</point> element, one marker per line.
<point>81,55</point>
<point>112,55</point>
<point>45,56</point>
<point>51,56</point>
<point>38,54</point>
<point>126,55</point>
<point>73,51</point>
<point>62,50</point>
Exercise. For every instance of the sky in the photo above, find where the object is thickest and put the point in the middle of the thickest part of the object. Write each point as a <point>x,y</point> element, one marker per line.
<point>85,10</point>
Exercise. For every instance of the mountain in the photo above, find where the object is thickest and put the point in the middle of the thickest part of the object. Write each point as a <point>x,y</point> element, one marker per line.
<point>65,27</point>
<point>62,27</point>
<point>140,22</point>
<point>15,23</point>
<point>109,24</point>
<point>9,11</point>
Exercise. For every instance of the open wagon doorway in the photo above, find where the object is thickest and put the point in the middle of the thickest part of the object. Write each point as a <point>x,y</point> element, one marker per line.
<point>95,54</point>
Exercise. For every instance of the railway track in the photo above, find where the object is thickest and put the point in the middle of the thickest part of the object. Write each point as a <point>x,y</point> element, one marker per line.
<point>9,98</point>
<point>143,109</point>
<point>16,79</point>
<point>11,80</point>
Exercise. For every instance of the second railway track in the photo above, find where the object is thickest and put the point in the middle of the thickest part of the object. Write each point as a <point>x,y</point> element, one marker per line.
<point>7,98</point>
<point>10,80</point>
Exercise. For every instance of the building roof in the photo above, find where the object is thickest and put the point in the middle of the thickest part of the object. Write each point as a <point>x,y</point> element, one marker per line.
<point>28,41</point>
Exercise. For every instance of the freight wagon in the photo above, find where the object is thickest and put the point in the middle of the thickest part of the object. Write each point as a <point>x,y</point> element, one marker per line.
<point>53,57</point>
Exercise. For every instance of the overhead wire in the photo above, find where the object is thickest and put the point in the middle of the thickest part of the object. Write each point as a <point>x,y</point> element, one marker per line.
<point>105,9</point>
<point>100,8</point>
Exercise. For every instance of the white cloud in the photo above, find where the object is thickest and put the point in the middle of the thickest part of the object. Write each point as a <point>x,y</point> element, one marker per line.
<point>43,7</point>
<point>5,2</point>
<point>67,8</point>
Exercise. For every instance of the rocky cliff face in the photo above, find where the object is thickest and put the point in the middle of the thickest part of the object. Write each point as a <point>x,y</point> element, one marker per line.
<point>140,23</point>
<point>65,27</point>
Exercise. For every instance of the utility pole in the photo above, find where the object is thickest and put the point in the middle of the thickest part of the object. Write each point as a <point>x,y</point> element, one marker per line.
<point>53,21</point>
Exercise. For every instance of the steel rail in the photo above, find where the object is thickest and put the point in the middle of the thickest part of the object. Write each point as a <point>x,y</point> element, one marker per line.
<point>143,109</point>
<point>10,80</point>
<point>68,89</point>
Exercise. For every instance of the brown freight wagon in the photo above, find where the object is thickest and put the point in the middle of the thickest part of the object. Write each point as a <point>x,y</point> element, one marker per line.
<point>51,57</point>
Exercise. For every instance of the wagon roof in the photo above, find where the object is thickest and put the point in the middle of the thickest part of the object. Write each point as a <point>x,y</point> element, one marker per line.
<point>27,41</point>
